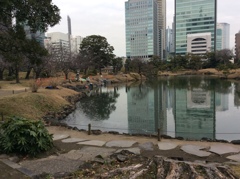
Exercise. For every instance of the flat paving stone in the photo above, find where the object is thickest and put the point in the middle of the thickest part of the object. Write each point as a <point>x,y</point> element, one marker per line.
<point>235,158</point>
<point>120,143</point>
<point>166,145</point>
<point>148,146</point>
<point>135,150</point>
<point>73,140</point>
<point>68,162</point>
<point>223,149</point>
<point>195,150</point>
<point>59,136</point>
<point>93,143</point>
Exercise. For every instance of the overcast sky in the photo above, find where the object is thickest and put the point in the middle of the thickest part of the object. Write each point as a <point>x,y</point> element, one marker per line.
<point>107,18</point>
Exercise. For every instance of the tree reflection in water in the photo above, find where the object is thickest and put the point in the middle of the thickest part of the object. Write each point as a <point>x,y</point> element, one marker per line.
<point>100,105</point>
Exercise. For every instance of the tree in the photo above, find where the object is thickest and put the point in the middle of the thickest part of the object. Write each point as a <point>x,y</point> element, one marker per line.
<point>224,56</point>
<point>100,51</point>
<point>137,65</point>
<point>127,65</point>
<point>117,64</point>
<point>194,62</point>
<point>3,66</point>
<point>38,15</point>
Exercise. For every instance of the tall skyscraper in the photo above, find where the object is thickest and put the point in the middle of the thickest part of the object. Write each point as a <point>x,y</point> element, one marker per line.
<point>237,46</point>
<point>223,36</point>
<point>193,17</point>
<point>145,28</point>
<point>162,28</point>
<point>69,31</point>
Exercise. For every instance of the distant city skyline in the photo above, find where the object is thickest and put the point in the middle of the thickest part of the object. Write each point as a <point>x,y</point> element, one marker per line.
<point>107,18</point>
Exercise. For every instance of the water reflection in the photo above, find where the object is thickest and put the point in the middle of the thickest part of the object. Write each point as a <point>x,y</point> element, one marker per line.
<point>188,107</point>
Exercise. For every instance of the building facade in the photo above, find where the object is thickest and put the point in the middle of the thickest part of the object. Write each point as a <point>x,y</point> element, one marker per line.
<point>191,17</point>
<point>145,28</point>
<point>237,46</point>
<point>223,36</point>
<point>199,44</point>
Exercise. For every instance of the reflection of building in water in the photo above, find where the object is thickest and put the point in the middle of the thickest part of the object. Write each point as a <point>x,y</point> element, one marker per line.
<point>237,95</point>
<point>221,101</point>
<point>146,110</point>
<point>195,113</point>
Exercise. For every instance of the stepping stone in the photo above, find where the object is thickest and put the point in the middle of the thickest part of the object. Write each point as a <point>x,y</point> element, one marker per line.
<point>148,146</point>
<point>59,136</point>
<point>221,149</point>
<point>133,150</point>
<point>235,158</point>
<point>120,143</point>
<point>93,143</point>
<point>166,145</point>
<point>195,150</point>
<point>73,140</point>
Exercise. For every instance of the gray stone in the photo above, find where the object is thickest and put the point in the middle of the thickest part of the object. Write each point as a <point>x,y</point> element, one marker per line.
<point>121,158</point>
<point>59,137</point>
<point>73,140</point>
<point>195,150</point>
<point>68,162</point>
<point>14,159</point>
<point>120,143</point>
<point>11,164</point>
<point>223,149</point>
<point>93,143</point>
<point>148,146</point>
<point>235,158</point>
<point>133,150</point>
<point>4,156</point>
<point>166,145</point>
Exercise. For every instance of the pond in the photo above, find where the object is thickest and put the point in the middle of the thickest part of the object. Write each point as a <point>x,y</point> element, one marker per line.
<point>190,107</point>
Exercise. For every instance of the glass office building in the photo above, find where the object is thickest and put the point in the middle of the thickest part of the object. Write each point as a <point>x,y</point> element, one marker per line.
<point>142,34</point>
<point>191,17</point>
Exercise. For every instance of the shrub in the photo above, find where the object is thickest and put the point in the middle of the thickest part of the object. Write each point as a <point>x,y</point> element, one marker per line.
<point>10,78</point>
<point>22,136</point>
<point>35,85</point>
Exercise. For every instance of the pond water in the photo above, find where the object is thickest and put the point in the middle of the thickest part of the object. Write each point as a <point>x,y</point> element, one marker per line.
<point>190,107</point>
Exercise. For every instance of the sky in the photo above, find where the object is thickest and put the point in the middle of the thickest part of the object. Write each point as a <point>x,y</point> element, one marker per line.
<point>107,18</point>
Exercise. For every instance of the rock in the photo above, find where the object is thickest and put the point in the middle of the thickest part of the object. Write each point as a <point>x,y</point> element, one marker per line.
<point>236,142</point>
<point>179,138</point>
<point>121,158</point>
<point>96,132</point>
<point>166,137</point>
<point>4,156</point>
<point>148,146</point>
<point>14,159</point>
<point>113,132</point>
<point>206,139</point>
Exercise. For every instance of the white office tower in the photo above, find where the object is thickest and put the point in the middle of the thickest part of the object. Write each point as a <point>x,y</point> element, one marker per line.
<point>223,36</point>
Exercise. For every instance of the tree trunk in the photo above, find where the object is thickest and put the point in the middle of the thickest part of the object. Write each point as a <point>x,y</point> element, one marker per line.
<point>28,73</point>
<point>10,71</point>
<point>100,71</point>
<point>1,74</point>
<point>66,75</point>
<point>17,74</point>
<point>37,74</point>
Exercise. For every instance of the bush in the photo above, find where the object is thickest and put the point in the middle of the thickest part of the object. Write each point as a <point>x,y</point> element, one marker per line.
<point>35,85</point>
<point>22,136</point>
<point>54,83</point>
<point>10,78</point>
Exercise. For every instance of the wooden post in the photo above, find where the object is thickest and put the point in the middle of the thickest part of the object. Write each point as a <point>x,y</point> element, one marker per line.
<point>12,91</point>
<point>89,129</point>
<point>159,135</point>
<point>25,89</point>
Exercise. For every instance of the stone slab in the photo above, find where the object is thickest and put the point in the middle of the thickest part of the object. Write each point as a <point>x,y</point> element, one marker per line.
<point>10,163</point>
<point>235,158</point>
<point>93,143</point>
<point>223,149</point>
<point>148,146</point>
<point>135,150</point>
<point>166,146</point>
<point>59,136</point>
<point>120,143</point>
<point>195,150</point>
<point>73,140</point>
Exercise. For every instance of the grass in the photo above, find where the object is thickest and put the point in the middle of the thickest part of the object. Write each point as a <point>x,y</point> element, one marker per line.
<point>235,169</point>
<point>33,105</point>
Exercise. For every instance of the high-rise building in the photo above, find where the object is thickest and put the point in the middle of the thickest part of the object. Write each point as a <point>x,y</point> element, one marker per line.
<point>75,44</point>
<point>237,46</point>
<point>69,31</point>
<point>223,36</point>
<point>145,28</point>
<point>192,17</point>
<point>162,28</point>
